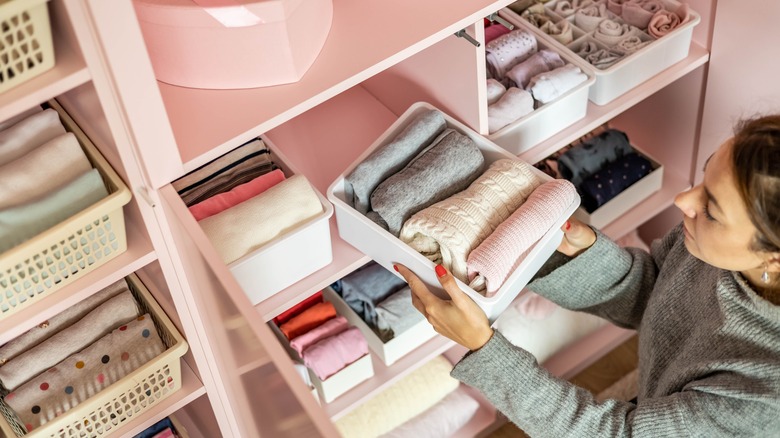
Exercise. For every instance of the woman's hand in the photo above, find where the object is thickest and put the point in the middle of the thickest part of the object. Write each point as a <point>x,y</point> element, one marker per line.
<point>459,318</point>
<point>577,237</point>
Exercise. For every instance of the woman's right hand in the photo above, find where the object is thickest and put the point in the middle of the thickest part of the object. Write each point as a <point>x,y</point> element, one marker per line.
<point>577,237</point>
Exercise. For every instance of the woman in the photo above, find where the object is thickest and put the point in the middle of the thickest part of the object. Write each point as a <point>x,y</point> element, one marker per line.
<point>705,301</point>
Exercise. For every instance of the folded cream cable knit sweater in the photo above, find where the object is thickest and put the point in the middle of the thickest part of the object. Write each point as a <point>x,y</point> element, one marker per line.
<point>447,231</point>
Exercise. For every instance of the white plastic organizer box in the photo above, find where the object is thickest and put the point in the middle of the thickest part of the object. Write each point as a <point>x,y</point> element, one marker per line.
<point>290,256</point>
<point>69,250</point>
<point>139,391</point>
<point>547,120</point>
<point>632,69</point>
<point>386,249</point>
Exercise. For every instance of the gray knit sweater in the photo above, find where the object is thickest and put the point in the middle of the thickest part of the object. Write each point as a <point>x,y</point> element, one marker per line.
<point>709,350</point>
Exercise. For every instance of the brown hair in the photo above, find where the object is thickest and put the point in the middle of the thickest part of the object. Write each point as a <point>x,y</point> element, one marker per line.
<point>756,159</point>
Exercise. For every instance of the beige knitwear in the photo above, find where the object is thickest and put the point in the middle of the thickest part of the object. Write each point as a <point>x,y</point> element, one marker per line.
<point>447,231</point>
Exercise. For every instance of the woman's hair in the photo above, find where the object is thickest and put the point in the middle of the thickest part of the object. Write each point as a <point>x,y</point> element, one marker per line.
<point>756,159</point>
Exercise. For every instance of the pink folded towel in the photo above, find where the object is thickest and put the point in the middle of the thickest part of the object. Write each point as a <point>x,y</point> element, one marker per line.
<point>664,22</point>
<point>223,201</point>
<point>330,328</point>
<point>494,259</point>
<point>28,134</point>
<point>539,62</point>
<point>330,355</point>
<point>639,12</point>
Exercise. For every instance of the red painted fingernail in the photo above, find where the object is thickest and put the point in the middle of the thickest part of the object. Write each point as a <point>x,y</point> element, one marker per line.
<point>396,268</point>
<point>440,271</point>
<point>568,225</point>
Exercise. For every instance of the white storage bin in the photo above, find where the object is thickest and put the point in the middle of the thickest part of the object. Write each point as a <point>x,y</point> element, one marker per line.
<point>628,198</point>
<point>392,350</point>
<point>289,257</point>
<point>632,69</point>
<point>547,120</point>
<point>386,249</point>
<point>340,382</point>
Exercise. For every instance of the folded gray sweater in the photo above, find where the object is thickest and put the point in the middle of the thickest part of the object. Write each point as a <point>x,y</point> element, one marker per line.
<point>709,350</point>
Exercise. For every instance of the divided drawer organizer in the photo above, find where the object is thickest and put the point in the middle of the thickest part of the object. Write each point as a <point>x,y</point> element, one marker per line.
<point>632,69</point>
<point>26,47</point>
<point>550,118</point>
<point>386,249</point>
<point>135,393</point>
<point>58,256</point>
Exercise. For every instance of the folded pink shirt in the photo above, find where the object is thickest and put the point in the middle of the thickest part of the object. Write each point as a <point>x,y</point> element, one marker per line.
<point>223,201</point>
<point>331,328</point>
<point>330,355</point>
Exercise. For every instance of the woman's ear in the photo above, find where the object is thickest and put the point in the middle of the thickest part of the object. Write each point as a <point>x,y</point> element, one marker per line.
<point>773,262</point>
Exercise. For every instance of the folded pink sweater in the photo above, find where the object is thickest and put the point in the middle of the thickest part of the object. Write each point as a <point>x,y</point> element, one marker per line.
<point>330,355</point>
<point>330,328</point>
<point>223,201</point>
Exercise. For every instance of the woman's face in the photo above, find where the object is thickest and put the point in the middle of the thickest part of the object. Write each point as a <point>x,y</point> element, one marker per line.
<point>718,230</point>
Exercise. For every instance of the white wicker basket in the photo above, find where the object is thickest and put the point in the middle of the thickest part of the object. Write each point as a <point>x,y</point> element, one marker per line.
<point>26,48</point>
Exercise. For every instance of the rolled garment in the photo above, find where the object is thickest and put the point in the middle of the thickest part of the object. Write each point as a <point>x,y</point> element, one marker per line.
<point>611,32</point>
<point>396,314</point>
<point>298,308</point>
<point>664,22</point>
<point>521,5</point>
<point>586,48</point>
<point>497,255</point>
<point>444,168</point>
<point>389,159</point>
<point>508,50</point>
<point>564,8</point>
<point>409,397</point>
<point>639,12</point>
<point>29,133</point>
<point>363,289</point>
<point>241,229</point>
<point>560,31</point>
<point>330,355</point>
<point>85,373</point>
<point>602,186</point>
<point>442,420</point>
<point>11,121</point>
<point>588,157</point>
<point>93,326</point>
<point>494,31</point>
<point>310,318</point>
<point>330,328</point>
<point>495,90</point>
<point>630,44</point>
<point>544,337</point>
<point>539,62</point>
<point>42,170</point>
<point>449,230</point>
<point>548,86</point>
<point>604,58</point>
<point>238,194</point>
<point>513,105</point>
<point>58,322</point>
<point>616,6</point>
<point>24,221</point>
<point>536,15</point>
<point>588,17</point>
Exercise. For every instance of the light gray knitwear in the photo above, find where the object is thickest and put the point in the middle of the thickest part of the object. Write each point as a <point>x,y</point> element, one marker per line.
<point>709,350</point>
<point>388,159</point>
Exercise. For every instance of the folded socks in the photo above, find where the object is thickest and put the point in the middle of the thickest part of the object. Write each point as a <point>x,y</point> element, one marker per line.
<point>664,22</point>
<point>610,33</point>
<point>638,13</point>
<point>506,51</point>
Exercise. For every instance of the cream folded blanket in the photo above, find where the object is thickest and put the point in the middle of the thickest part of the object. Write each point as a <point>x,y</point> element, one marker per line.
<point>28,134</point>
<point>404,400</point>
<point>512,106</point>
<point>442,420</point>
<point>448,231</point>
<point>42,170</point>
<point>251,224</point>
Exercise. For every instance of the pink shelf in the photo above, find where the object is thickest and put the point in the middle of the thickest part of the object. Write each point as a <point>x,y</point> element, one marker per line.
<point>365,39</point>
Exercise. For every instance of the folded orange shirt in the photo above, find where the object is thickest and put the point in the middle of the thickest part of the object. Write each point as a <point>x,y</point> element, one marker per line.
<point>309,319</point>
<point>298,309</point>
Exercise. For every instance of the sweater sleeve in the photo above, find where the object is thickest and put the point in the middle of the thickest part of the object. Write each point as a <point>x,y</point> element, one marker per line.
<point>606,280</point>
<point>545,406</point>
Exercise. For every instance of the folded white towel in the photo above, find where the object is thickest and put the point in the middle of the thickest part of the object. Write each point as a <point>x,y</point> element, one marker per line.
<point>29,133</point>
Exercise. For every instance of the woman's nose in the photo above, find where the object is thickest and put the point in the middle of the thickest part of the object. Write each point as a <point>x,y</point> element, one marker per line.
<point>686,202</point>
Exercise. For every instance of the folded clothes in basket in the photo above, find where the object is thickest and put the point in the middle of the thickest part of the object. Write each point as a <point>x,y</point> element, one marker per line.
<point>492,261</point>
<point>449,230</point>
<point>588,17</point>
<point>396,314</point>
<point>442,420</point>
<point>495,90</point>
<point>86,373</point>
<point>238,194</point>
<point>610,32</point>
<point>639,12</point>
<point>540,62</point>
<point>366,287</point>
<point>553,84</point>
<point>664,22</point>
<point>327,329</point>
<point>330,355</point>
<point>307,320</point>
<point>29,133</point>
<point>560,31</point>
<point>585,159</point>
<point>508,50</point>
<point>513,105</point>
<point>610,181</point>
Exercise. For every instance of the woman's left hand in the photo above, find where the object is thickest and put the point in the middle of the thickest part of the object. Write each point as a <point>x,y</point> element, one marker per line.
<point>459,318</point>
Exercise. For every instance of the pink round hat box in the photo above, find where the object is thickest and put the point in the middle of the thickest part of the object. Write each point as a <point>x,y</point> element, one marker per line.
<point>227,44</point>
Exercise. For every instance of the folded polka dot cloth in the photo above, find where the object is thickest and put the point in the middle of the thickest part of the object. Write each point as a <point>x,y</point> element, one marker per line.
<point>84,374</point>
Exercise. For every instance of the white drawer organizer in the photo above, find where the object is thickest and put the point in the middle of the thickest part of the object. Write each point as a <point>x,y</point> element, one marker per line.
<point>632,69</point>
<point>550,118</point>
<point>386,249</point>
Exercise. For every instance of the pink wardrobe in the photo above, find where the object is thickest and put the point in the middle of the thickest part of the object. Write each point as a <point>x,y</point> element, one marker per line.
<point>379,58</point>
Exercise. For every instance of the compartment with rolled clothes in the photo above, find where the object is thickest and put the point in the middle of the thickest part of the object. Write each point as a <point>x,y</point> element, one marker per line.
<point>430,190</point>
<point>265,220</point>
<point>621,42</point>
<point>334,352</point>
<point>533,89</point>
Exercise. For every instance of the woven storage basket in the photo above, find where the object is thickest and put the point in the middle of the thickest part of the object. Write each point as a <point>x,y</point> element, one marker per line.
<point>70,249</point>
<point>26,48</point>
<point>130,396</point>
